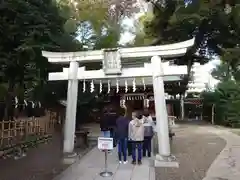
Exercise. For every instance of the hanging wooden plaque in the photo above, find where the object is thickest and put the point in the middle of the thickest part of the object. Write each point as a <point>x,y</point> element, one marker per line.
<point>112,62</point>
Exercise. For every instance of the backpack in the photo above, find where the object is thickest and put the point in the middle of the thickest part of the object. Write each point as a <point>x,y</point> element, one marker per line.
<point>148,129</point>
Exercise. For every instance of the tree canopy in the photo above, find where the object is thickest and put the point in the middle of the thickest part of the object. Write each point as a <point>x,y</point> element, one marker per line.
<point>208,21</point>
<point>29,26</point>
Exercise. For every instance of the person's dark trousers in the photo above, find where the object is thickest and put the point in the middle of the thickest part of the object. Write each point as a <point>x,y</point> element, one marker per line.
<point>122,149</point>
<point>137,145</point>
<point>129,147</point>
<point>113,135</point>
<point>147,146</point>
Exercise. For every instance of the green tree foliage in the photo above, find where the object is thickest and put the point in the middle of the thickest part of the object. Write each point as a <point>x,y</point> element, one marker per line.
<point>207,21</point>
<point>222,72</point>
<point>215,26</point>
<point>142,38</point>
<point>26,28</point>
<point>102,27</point>
<point>226,99</point>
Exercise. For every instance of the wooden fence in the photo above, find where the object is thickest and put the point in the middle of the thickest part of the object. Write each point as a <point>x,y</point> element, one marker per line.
<point>18,135</point>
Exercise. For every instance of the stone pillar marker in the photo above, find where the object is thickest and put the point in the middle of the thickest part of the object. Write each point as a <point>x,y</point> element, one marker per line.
<point>70,121</point>
<point>182,107</point>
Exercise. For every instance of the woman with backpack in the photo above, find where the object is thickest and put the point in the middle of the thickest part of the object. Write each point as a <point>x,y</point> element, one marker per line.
<point>148,133</point>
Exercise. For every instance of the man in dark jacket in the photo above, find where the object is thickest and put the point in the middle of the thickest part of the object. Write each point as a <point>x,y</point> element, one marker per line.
<point>105,123</point>
<point>112,123</point>
<point>122,136</point>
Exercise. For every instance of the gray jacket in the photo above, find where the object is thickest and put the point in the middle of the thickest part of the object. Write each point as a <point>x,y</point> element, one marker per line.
<point>136,130</point>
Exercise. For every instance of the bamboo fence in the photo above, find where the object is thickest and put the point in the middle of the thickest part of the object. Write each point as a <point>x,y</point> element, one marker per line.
<point>22,133</point>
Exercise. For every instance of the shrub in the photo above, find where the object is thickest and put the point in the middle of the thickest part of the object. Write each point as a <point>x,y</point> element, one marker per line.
<point>226,99</point>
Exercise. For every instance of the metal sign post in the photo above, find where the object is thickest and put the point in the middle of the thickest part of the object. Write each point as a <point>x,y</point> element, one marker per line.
<point>105,144</point>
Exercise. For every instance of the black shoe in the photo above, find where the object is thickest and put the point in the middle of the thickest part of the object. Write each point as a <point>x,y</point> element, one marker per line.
<point>149,154</point>
<point>133,162</point>
<point>139,162</point>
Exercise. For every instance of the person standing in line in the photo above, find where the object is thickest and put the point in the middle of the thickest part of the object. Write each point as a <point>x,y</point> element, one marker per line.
<point>136,135</point>
<point>112,125</point>
<point>105,123</point>
<point>122,136</point>
<point>148,133</point>
<point>129,145</point>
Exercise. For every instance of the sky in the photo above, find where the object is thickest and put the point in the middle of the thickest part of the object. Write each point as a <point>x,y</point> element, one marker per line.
<point>127,36</point>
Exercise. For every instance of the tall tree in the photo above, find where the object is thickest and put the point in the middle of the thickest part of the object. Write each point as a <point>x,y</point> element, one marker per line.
<point>27,27</point>
<point>207,21</point>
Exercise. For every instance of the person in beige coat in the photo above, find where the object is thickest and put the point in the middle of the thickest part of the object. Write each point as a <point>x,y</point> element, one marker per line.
<point>136,136</point>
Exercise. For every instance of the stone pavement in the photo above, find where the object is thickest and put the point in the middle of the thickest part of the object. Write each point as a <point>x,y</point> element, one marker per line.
<point>227,165</point>
<point>89,167</point>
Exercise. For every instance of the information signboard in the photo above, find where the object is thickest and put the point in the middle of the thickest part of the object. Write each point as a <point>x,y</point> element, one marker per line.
<point>105,143</point>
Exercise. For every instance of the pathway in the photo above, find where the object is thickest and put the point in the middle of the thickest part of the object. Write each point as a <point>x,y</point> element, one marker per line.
<point>227,165</point>
<point>204,152</point>
<point>195,149</point>
<point>89,167</point>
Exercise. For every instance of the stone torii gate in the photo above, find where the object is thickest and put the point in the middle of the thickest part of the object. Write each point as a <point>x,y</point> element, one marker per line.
<point>113,69</point>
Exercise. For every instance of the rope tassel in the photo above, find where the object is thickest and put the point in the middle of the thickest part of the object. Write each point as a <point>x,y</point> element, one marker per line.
<point>117,86</point>
<point>100,87</point>
<point>126,86</point>
<point>84,86</point>
<point>134,85</point>
<point>109,87</point>
<point>92,87</point>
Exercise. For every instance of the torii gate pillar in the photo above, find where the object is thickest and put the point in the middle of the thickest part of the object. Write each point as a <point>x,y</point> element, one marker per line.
<point>70,120</point>
<point>160,108</point>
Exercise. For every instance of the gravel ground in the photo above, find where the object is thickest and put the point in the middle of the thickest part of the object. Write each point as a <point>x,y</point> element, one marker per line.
<point>41,163</point>
<point>195,151</point>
